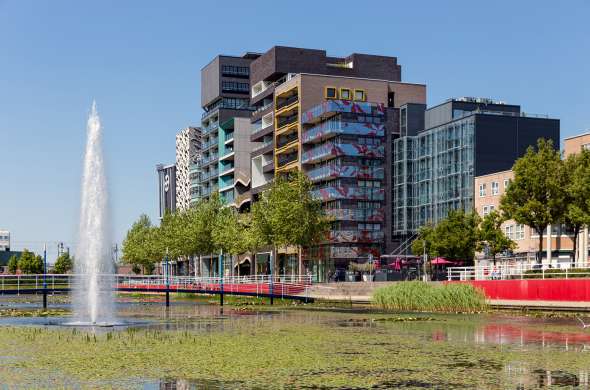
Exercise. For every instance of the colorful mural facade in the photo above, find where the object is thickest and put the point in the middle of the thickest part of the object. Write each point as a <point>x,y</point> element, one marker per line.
<point>344,155</point>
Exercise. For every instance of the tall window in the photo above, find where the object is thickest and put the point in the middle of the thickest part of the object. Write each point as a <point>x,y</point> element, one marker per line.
<point>506,183</point>
<point>509,229</point>
<point>519,233</point>
<point>482,190</point>
<point>495,188</point>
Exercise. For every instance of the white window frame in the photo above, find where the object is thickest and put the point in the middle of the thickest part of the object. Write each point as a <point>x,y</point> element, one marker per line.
<point>495,188</point>
<point>482,190</point>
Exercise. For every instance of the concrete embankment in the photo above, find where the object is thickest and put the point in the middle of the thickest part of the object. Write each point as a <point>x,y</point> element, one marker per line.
<point>361,292</point>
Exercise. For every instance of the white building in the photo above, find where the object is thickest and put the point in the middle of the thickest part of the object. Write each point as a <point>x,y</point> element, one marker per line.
<point>188,151</point>
<point>4,240</point>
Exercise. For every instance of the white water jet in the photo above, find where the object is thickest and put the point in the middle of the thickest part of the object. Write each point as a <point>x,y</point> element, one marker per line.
<point>93,299</point>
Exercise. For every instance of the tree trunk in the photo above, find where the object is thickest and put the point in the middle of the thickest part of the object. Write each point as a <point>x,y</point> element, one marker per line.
<point>576,234</point>
<point>540,252</point>
<point>494,259</point>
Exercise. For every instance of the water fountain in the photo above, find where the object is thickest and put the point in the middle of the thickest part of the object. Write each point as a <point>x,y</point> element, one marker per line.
<point>93,299</point>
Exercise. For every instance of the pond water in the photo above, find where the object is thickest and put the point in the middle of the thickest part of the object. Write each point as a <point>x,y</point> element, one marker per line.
<point>198,345</point>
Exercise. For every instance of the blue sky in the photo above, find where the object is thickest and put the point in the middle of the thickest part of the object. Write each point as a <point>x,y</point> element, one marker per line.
<point>141,61</point>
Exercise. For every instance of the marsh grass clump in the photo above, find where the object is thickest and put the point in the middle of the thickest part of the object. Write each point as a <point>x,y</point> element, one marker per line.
<point>422,296</point>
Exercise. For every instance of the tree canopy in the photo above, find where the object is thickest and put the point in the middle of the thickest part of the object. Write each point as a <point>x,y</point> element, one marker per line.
<point>536,196</point>
<point>491,237</point>
<point>576,176</point>
<point>13,264</point>
<point>29,263</point>
<point>455,237</point>
<point>63,264</point>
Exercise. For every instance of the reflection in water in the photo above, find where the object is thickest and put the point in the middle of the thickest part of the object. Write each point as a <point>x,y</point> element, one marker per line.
<point>525,378</point>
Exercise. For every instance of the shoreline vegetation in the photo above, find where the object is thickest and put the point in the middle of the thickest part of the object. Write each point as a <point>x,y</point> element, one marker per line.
<point>423,296</point>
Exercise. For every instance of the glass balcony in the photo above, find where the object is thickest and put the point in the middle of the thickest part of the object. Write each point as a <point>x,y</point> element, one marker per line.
<point>356,236</point>
<point>207,160</point>
<point>365,215</point>
<point>262,146</point>
<point>210,143</point>
<point>333,127</point>
<point>348,192</point>
<point>229,136</point>
<point>286,139</point>
<point>287,102</point>
<point>284,159</point>
<point>226,169</point>
<point>228,197</point>
<point>209,129</point>
<point>331,107</point>
<point>286,120</point>
<point>350,170</point>
<point>210,174</point>
<point>331,150</point>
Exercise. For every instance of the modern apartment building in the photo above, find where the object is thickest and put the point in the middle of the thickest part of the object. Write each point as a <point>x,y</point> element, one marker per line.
<point>335,119</point>
<point>278,113</point>
<point>234,162</point>
<point>225,96</point>
<point>4,240</point>
<point>435,167</point>
<point>188,151</point>
<point>341,138</point>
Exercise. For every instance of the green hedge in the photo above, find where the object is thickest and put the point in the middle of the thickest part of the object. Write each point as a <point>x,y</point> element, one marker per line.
<point>422,296</point>
<point>556,273</point>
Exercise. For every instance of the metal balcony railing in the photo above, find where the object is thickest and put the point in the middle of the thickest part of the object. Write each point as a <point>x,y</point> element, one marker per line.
<point>286,120</point>
<point>287,102</point>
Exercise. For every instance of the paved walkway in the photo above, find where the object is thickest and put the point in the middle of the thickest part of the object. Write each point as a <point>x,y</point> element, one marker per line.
<point>549,305</point>
<point>361,292</point>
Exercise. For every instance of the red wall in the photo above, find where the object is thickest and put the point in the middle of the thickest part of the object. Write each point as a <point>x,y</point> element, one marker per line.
<point>535,289</point>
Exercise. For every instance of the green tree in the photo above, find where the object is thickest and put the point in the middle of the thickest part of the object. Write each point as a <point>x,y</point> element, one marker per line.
<point>198,226</point>
<point>140,246</point>
<point>227,232</point>
<point>536,196</point>
<point>287,214</point>
<point>454,237</point>
<point>28,263</point>
<point>491,236</point>
<point>63,264</point>
<point>13,264</point>
<point>576,174</point>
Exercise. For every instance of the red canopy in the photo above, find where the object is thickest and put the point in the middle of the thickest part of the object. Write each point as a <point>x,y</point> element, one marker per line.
<point>440,260</point>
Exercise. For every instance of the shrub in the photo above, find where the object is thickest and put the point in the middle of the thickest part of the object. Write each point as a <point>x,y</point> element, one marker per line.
<point>557,273</point>
<point>422,296</point>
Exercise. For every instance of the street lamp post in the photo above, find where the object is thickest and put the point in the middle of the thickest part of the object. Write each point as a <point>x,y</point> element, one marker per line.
<point>221,278</point>
<point>167,279</point>
<point>271,285</point>
<point>45,277</point>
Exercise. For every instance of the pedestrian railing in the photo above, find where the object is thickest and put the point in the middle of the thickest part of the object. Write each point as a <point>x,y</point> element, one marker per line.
<point>277,285</point>
<point>519,271</point>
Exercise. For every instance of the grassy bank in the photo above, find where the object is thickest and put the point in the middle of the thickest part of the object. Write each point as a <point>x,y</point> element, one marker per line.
<point>421,296</point>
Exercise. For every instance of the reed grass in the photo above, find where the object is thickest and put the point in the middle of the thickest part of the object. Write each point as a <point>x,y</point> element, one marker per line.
<point>422,296</point>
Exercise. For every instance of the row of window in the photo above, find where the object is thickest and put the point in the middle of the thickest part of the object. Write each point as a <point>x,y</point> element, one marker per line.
<point>234,86</point>
<point>495,187</point>
<point>232,70</point>
<point>514,232</point>
<point>345,94</point>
